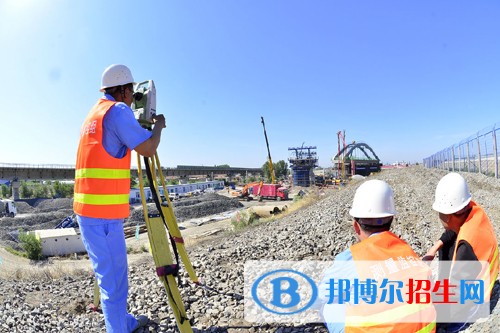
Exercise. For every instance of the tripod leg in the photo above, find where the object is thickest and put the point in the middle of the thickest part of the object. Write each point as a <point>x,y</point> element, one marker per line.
<point>173,227</point>
<point>162,255</point>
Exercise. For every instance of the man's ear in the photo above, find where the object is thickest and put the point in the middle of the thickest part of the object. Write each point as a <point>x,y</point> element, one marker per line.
<point>356,226</point>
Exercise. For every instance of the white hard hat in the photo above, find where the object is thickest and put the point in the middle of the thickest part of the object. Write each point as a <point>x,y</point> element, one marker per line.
<point>373,199</point>
<point>116,75</point>
<point>452,194</point>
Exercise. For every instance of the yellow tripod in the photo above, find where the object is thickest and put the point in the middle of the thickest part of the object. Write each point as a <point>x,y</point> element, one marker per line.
<point>164,233</point>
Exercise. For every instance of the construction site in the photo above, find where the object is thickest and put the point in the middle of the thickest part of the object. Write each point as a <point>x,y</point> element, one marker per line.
<point>216,229</point>
<point>54,294</point>
<point>300,217</point>
<point>188,243</point>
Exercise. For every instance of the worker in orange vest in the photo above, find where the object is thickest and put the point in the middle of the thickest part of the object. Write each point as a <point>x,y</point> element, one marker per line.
<point>102,190</point>
<point>373,212</point>
<point>468,239</point>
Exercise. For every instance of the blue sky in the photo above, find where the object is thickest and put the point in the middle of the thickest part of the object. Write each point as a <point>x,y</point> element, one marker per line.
<point>407,77</point>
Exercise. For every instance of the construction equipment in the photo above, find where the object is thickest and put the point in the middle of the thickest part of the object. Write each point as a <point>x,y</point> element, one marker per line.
<point>341,155</point>
<point>270,191</point>
<point>7,208</point>
<point>303,161</point>
<point>260,191</point>
<point>245,192</point>
<point>165,238</point>
<point>68,222</point>
<point>271,168</point>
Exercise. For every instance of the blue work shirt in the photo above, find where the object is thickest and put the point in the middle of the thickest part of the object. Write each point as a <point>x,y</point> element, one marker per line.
<point>343,268</point>
<point>121,131</point>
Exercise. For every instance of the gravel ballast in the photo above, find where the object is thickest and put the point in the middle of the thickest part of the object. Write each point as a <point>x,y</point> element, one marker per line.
<point>317,232</point>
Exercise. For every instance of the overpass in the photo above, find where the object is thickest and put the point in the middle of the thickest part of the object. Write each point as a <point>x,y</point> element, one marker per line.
<point>12,171</point>
<point>22,172</point>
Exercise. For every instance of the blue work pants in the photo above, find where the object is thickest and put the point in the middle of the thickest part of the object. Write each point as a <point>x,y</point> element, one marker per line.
<point>105,244</point>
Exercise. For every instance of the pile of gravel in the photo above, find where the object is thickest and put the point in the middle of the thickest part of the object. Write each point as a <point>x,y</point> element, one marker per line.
<point>24,208</point>
<point>318,232</point>
<point>50,205</point>
<point>190,208</point>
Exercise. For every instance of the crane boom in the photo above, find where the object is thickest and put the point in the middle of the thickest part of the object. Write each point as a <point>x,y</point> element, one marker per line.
<point>271,168</point>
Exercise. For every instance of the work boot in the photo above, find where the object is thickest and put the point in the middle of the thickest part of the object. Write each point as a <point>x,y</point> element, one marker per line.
<point>142,322</point>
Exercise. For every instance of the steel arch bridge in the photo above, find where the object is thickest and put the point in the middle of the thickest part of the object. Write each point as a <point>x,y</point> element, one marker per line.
<point>348,151</point>
<point>353,163</point>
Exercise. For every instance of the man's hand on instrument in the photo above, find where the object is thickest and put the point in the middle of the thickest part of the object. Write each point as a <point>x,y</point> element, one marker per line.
<point>159,120</point>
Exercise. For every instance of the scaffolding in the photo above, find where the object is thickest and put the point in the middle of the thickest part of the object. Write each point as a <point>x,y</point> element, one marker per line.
<point>302,162</point>
<point>341,155</point>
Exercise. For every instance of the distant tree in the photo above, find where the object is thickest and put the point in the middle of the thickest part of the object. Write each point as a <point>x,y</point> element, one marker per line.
<point>280,170</point>
<point>266,172</point>
<point>133,181</point>
<point>145,181</point>
<point>25,191</point>
<point>62,190</point>
<point>223,166</point>
<point>41,191</point>
<point>6,193</point>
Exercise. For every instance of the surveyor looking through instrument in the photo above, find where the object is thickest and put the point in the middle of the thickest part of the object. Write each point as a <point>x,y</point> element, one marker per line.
<point>102,187</point>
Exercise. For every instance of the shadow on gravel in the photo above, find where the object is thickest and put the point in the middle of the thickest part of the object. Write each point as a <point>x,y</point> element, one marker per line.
<point>320,328</point>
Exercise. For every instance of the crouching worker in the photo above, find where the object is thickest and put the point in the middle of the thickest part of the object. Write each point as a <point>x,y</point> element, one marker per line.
<point>366,275</point>
<point>468,248</point>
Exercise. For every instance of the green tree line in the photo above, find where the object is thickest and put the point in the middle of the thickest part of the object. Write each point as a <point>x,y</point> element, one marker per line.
<point>6,191</point>
<point>280,171</point>
<point>55,189</point>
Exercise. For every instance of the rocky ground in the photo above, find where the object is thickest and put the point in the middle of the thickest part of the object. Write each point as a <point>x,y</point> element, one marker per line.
<point>318,232</point>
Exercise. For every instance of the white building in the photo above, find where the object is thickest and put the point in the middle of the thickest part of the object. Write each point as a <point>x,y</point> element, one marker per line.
<point>58,242</point>
<point>180,189</point>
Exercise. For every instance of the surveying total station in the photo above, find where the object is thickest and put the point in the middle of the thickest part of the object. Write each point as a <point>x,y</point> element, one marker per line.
<point>144,103</point>
<point>165,238</point>
<point>164,235</point>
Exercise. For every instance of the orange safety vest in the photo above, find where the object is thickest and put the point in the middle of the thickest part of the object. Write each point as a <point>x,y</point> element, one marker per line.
<point>479,233</point>
<point>402,264</point>
<point>102,182</point>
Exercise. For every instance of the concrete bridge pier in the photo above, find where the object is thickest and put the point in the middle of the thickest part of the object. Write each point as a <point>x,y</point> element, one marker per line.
<point>15,189</point>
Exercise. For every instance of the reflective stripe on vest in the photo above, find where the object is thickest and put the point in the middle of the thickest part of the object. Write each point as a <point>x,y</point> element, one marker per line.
<point>102,199</point>
<point>102,182</point>
<point>429,328</point>
<point>383,317</point>
<point>102,173</point>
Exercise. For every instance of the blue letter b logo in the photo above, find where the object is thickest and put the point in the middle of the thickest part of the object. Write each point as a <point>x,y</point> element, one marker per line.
<point>291,290</point>
<point>286,294</point>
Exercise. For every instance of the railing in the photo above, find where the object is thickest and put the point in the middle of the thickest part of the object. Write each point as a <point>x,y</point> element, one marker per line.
<point>36,166</point>
<point>477,153</point>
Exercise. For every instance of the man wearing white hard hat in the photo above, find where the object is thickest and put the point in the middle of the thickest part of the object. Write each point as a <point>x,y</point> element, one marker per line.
<point>102,189</point>
<point>469,237</point>
<point>373,212</point>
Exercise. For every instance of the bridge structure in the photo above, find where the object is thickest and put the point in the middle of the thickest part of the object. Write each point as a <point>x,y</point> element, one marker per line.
<point>23,172</point>
<point>357,158</point>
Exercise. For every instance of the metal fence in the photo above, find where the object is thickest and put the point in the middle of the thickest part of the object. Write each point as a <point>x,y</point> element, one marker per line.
<point>478,153</point>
